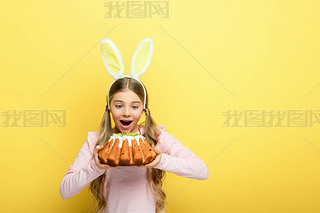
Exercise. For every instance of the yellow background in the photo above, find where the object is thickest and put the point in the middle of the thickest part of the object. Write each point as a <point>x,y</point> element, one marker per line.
<point>209,57</point>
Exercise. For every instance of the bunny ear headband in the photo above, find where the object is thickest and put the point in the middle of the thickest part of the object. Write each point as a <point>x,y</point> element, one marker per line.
<point>113,61</point>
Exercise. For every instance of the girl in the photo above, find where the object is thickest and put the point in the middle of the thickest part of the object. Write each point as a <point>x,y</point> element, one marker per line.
<point>127,189</point>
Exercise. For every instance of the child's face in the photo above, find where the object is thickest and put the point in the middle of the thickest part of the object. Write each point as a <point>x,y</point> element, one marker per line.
<point>126,106</point>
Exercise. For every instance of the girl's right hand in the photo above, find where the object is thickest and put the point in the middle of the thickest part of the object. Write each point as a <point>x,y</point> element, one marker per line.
<point>96,159</point>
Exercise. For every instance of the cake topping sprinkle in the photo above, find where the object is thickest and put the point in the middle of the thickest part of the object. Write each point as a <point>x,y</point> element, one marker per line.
<point>126,134</point>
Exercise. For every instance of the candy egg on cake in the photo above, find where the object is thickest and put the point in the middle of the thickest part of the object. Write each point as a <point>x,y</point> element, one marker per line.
<point>126,149</point>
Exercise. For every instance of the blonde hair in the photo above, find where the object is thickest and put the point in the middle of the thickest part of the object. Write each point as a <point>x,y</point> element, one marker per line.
<point>155,177</point>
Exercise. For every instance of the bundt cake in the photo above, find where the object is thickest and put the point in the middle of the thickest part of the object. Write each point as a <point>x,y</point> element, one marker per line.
<point>126,149</point>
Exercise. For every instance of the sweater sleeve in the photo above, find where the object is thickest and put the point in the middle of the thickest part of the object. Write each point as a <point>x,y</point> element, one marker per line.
<point>178,159</point>
<point>82,171</point>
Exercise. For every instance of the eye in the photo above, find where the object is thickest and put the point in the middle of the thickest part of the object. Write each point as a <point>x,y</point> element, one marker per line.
<point>117,106</point>
<point>136,107</point>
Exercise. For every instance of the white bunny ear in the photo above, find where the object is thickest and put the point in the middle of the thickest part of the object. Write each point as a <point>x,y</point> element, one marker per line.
<point>141,58</point>
<point>112,58</point>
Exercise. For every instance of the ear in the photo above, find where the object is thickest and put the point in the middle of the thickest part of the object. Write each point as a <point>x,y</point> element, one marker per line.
<point>112,58</point>
<point>141,58</point>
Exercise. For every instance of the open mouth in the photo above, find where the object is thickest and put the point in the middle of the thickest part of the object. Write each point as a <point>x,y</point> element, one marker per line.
<point>125,123</point>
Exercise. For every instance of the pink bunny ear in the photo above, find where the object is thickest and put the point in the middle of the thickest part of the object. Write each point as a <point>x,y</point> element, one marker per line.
<point>112,58</point>
<point>141,58</point>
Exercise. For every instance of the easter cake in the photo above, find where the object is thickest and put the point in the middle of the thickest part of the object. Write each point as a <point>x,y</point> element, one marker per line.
<point>126,149</point>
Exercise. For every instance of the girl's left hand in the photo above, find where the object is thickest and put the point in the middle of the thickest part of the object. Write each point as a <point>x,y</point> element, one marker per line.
<point>156,160</point>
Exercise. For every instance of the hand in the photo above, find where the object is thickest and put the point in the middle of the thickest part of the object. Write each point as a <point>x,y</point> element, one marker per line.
<point>156,160</point>
<point>96,159</point>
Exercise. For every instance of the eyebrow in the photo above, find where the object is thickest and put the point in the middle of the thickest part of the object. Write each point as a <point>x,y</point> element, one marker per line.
<point>131,102</point>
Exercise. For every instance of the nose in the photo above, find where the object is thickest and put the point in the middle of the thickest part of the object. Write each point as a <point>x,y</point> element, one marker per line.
<point>126,112</point>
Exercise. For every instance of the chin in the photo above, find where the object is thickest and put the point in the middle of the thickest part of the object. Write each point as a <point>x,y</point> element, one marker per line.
<point>124,130</point>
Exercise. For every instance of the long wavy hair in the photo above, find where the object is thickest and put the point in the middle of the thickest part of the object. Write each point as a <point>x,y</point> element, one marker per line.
<point>155,177</point>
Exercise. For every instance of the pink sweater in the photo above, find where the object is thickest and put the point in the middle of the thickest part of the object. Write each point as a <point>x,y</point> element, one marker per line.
<point>125,188</point>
